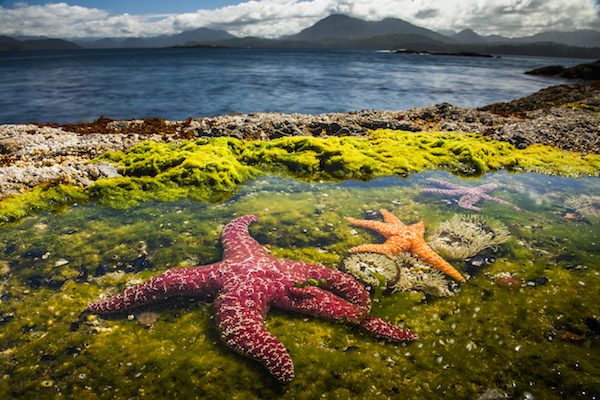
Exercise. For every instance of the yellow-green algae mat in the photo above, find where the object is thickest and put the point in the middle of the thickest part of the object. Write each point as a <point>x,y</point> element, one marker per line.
<point>212,169</point>
<point>539,340</point>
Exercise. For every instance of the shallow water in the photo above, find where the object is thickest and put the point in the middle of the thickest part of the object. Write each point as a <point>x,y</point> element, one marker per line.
<point>70,86</point>
<point>540,340</point>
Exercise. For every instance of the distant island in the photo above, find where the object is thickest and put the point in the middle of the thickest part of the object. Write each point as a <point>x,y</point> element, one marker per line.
<point>343,32</point>
<point>443,53</point>
<point>197,46</point>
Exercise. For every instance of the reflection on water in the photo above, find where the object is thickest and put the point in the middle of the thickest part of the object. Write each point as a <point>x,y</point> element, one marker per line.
<point>526,322</point>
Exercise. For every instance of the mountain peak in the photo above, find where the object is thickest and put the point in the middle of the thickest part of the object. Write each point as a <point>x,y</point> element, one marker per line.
<point>469,36</point>
<point>340,26</point>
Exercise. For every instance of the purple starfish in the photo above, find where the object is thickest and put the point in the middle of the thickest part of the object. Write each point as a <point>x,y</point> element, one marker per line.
<point>246,283</point>
<point>469,196</point>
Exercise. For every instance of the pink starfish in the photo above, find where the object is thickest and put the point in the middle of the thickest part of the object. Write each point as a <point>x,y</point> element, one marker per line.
<point>246,283</point>
<point>469,196</point>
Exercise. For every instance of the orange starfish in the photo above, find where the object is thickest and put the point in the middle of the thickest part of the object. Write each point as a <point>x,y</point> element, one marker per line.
<point>402,238</point>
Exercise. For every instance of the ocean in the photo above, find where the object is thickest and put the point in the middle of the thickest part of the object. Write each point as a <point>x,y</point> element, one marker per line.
<point>82,85</point>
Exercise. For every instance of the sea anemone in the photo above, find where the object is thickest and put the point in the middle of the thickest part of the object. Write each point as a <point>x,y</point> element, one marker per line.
<point>586,205</point>
<point>463,236</point>
<point>414,275</point>
<point>373,269</point>
<point>402,273</point>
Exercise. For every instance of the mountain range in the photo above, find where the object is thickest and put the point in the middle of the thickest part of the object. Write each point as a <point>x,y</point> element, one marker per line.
<point>341,31</point>
<point>579,38</point>
<point>11,44</point>
<point>199,35</point>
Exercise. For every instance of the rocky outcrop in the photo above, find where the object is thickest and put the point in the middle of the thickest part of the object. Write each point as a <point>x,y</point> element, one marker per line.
<point>583,71</point>
<point>550,70</point>
<point>588,71</point>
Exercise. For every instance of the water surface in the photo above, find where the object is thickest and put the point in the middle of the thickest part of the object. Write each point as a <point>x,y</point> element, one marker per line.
<point>70,86</point>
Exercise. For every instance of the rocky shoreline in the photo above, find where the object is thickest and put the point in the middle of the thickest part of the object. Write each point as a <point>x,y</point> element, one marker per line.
<point>564,116</point>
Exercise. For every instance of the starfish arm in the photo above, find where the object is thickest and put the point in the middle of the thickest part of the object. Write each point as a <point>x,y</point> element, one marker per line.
<point>390,218</point>
<point>501,201</point>
<point>383,248</point>
<point>241,321</point>
<point>237,242</point>
<point>468,202</point>
<point>317,302</point>
<point>421,250</point>
<point>443,183</point>
<point>418,229</point>
<point>178,281</point>
<point>488,187</point>
<point>378,226</point>
<point>386,330</point>
<point>336,281</point>
<point>443,192</point>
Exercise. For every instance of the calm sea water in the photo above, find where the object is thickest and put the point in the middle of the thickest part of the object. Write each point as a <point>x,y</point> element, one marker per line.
<point>69,86</point>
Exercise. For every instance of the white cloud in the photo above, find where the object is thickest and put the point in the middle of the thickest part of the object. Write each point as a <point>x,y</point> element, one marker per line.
<point>272,18</point>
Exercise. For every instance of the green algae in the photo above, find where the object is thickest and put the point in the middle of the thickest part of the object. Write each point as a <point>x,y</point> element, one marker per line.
<point>536,339</point>
<point>388,152</point>
<point>595,108</point>
<point>213,169</point>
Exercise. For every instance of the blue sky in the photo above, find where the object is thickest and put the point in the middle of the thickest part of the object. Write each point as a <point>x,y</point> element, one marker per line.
<point>273,18</point>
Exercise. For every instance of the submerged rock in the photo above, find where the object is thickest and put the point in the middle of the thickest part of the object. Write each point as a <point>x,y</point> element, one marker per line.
<point>585,205</point>
<point>509,282</point>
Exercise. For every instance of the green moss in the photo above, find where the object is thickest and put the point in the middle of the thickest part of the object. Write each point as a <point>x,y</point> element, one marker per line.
<point>595,108</point>
<point>213,169</point>
<point>388,152</point>
<point>201,170</point>
<point>42,197</point>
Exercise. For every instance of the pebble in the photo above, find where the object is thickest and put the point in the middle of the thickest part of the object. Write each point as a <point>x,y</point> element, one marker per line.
<point>61,262</point>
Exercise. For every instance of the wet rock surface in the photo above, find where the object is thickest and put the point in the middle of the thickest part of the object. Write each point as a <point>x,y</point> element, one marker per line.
<point>564,116</point>
<point>587,71</point>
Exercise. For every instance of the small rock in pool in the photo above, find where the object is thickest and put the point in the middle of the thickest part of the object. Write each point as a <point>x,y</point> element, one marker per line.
<point>540,281</point>
<point>509,282</point>
<point>575,217</point>
<point>593,324</point>
<point>61,262</point>
<point>569,336</point>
